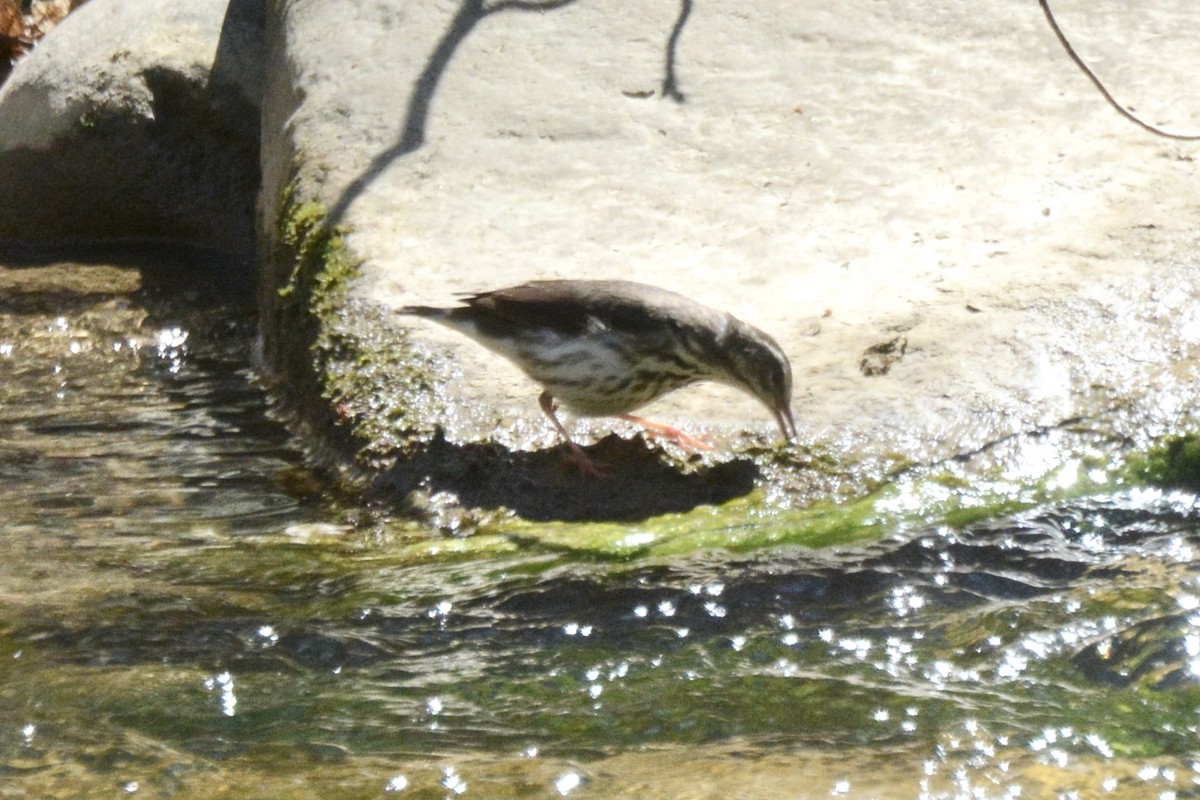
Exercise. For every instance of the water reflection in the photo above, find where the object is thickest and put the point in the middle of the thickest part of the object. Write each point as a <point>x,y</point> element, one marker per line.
<point>171,609</point>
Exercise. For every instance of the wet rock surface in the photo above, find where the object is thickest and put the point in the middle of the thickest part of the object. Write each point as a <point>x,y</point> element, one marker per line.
<point>943,179</point>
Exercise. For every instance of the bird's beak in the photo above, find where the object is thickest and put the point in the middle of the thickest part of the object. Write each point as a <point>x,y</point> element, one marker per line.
<point>783,418</point>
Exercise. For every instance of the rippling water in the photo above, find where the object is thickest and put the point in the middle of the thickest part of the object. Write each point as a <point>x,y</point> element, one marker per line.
<point>181,615</point>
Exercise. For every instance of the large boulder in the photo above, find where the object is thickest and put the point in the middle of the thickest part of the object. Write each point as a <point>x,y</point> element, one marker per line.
<point>844,176</point>
<point>136,119</point>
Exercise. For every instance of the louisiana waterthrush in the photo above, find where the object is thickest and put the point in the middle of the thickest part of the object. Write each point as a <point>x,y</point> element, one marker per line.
<point>606,348</point>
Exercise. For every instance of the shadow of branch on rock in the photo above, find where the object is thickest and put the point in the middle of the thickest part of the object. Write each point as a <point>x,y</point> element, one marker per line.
<point>470,13</point>
<point>670,84</point>
<point>542,486</point>
<point>412,135</point>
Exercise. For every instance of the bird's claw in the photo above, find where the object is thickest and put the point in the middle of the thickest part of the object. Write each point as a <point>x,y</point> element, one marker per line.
<point>656,430</point>
<point>686,441</point>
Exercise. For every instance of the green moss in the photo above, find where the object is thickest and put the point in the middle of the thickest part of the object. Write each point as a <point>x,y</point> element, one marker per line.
<point>913,498</point>
<point>352,376</point>
<point>1173,463</point>
<point>741,525</point>
<point>322,268</point>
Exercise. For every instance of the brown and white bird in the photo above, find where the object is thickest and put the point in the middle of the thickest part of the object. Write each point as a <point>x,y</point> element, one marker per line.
<point>606,348</point>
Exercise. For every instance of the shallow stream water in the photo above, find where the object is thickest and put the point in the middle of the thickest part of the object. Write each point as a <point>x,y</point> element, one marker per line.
<point>182,614</point>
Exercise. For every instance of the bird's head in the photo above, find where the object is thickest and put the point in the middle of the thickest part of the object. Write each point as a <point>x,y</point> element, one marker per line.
<point>755,362</point>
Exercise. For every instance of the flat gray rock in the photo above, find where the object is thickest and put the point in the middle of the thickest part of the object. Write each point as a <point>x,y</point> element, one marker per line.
<point>838,175</point>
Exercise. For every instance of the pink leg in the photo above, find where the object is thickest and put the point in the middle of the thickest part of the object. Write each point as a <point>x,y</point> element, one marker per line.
<point>579,458</point>
<point>660,431</point>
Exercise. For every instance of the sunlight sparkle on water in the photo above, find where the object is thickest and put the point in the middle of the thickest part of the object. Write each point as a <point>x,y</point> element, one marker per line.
<point>904,600</point>
<point>1101,746</point>
<point>170,346</point>
<point>636,540</point>
<point>171,338</point>
<point>900,656</point>
<point>1179,550</point>
<point>267,636</point>
<point>860,647</point>
<point>942,673</point>
<point>567,783</point>
<point>453,781</point>
<point>223,683</point>
<point>315,532</point>
<point>1040,458</point>
<point>1012,666</point>
<point>1191,646</point>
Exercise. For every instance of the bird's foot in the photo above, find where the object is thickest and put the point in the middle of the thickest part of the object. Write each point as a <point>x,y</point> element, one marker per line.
<point>659,431</point>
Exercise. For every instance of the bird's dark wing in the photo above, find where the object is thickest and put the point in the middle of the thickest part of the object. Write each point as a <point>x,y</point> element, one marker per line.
<point>576,307</point>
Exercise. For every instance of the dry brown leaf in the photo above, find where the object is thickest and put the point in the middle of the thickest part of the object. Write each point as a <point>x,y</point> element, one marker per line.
<point>11,27</point>
<point>44,15</point>
<point>18,33</point>
<point>10,18</point>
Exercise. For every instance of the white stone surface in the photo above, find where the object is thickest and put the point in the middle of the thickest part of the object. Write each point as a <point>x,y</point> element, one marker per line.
<point>839,174</point>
